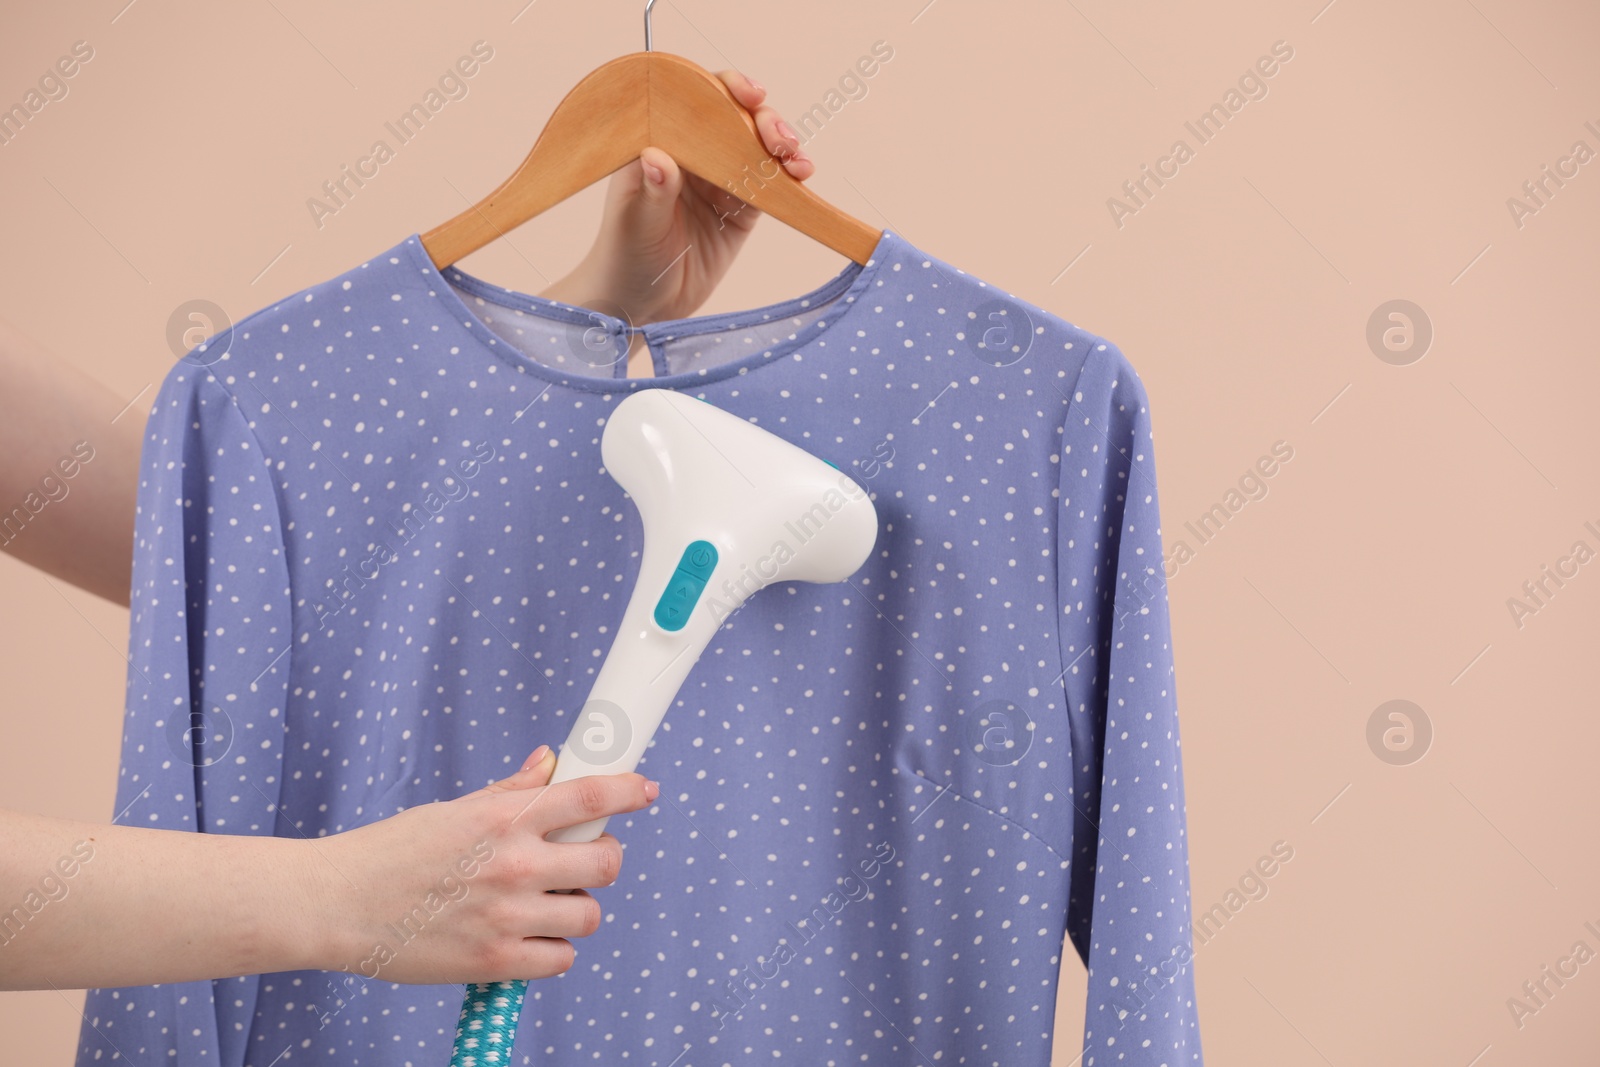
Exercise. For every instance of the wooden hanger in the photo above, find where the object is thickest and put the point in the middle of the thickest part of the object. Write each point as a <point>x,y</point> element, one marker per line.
<point>634,101</point>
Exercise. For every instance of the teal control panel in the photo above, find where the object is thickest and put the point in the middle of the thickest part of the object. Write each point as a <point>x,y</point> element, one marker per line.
<point>686,584</point>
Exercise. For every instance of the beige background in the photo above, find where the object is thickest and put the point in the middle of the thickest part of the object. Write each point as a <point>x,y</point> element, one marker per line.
<point>1419,499</point>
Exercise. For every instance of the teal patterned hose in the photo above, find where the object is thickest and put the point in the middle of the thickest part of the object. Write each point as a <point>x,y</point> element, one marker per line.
<point>488,1026</point>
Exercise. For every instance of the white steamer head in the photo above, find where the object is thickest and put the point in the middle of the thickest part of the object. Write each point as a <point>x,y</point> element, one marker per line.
<point>727,510</point>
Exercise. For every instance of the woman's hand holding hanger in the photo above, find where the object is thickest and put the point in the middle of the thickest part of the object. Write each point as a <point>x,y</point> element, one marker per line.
<point>669,237</point>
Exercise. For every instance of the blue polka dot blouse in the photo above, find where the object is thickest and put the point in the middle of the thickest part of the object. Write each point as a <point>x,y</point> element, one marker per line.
<point>378,561</point>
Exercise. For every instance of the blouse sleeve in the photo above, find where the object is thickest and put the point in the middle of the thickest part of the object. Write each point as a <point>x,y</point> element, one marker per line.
<point>208,658</point>
<point>1128,914</point>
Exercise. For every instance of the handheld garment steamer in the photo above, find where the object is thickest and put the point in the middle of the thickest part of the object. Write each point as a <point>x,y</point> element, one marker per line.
<point>728,509</point>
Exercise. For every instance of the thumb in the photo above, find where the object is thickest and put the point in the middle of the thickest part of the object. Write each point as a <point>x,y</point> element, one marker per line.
<point>535,772</point>
<point>660,182</point>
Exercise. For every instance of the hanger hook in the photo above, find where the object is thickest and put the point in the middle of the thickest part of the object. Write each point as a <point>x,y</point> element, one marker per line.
<point>647,6</point>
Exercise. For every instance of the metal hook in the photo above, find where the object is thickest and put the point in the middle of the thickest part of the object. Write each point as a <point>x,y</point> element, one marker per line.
<point>647,6</point>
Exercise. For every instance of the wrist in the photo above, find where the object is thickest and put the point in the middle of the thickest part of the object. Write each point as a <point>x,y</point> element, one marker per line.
<point>572,288</point>
<point>583,287</point>
<point>320,931</point>
<point>592,285</point>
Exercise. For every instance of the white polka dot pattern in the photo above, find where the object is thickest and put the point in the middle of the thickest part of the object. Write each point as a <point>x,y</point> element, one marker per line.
<point>378,561</point>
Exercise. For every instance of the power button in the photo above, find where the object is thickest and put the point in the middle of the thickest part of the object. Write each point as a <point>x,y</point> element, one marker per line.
<point>683,589</point>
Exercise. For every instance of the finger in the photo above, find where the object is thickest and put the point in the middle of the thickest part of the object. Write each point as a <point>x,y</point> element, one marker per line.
<point>744,88</point>
<point>660,180</point>
<point>782,141</point>
<point>779,137</point>
<point>584,864</point>
<point>591,797</point>
<point>537,957</point>
<point>574,914</point>
<point>542,763</point>
<point>536,771</point>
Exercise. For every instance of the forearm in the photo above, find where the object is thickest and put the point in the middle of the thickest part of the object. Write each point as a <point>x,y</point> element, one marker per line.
<point>70,475</point>
<point>87,905</point>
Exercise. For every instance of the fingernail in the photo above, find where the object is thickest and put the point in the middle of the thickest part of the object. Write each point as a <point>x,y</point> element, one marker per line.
<point>652,789</point>
<point>538,755</point>
<point>755,84</point>
<point>654,173</point>
<point>787,130</point>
